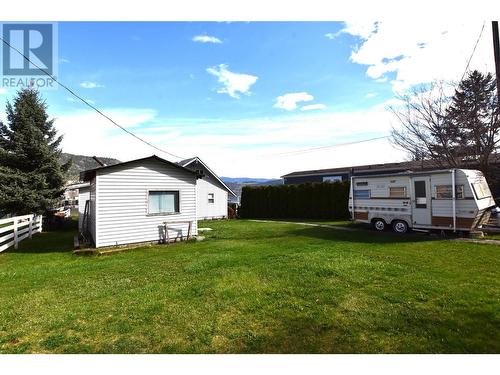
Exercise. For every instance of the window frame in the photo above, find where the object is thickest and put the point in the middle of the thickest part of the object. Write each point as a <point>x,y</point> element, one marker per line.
<point>459,191</point>
<point>474,189</point>
<point>213,198</point>
<point>358,190</point>
<point>399,196</point>
<point>177,206</point>
<point>332,178</point>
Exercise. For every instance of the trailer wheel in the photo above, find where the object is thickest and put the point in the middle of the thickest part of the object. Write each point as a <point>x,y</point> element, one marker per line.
<point>378,224</point>
<point>400,226</point>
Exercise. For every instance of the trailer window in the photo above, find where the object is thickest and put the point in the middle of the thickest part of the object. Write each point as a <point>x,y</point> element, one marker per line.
<point>397,192</point>
<point>361,194</point>
<point>444,192</point>
<point>481,189</point>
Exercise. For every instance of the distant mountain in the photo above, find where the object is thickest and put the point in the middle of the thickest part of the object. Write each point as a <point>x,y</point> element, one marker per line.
<point>237,183</point>
<point>250,180</point>
<point>82,163</point>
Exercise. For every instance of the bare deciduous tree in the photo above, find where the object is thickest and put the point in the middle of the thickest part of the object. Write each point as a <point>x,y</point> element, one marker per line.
<point>453,126</point>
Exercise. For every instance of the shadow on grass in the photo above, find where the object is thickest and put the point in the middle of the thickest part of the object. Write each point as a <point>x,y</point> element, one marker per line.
<point>47,242</point>
<point>360,236</point>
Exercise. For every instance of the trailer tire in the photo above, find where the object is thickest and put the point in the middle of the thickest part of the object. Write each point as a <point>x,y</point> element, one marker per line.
<point>400,226</point>
<point>379,225</point>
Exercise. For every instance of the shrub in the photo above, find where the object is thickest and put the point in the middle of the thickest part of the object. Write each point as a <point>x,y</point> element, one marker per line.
<point>324,200</point>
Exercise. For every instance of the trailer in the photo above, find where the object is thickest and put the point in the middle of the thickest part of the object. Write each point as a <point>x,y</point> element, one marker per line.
<point>452,199</point>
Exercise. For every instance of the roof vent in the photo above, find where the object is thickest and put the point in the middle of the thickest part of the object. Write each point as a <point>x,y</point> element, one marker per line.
<point>98,161</point>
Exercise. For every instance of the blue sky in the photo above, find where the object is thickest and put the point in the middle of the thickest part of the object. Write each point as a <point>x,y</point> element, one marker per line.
<point>237,94</point>
<point>161,66</point>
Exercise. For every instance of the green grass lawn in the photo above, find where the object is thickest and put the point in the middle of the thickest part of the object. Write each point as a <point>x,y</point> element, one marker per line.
<point>254,288</point>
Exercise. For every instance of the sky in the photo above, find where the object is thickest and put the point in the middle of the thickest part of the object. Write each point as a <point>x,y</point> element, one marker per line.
<point>251,99</point>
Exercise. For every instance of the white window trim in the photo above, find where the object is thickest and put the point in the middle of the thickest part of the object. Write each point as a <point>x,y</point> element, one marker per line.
<point>458,188</point>
<point>162,213</point>
<point>213,198</point>
<point>405,193</point>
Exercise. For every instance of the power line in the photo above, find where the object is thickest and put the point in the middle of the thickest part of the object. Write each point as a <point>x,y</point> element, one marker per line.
<point>87,103</point>
<point>473,51</point>
<point>325,147</point>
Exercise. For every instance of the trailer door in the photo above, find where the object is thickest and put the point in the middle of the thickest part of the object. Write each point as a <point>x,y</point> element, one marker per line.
<point>421,201</point>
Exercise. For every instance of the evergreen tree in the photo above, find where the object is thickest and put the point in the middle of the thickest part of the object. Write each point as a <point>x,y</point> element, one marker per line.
<point>458,129</point>
<point>31,174</point>
<point>473,118</point>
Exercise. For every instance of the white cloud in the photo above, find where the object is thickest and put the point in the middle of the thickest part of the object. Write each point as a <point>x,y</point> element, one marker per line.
<point>206,39</point>
<point>332,36</point>
<point>3,91</point>
<point>371,95</point>
<point>244,147</point>
<point>416,54</point>
<point>289,101</point>
<point>90,85</point>
<point>312,107</point>
<point>233,83</point>
<point>63,61</point>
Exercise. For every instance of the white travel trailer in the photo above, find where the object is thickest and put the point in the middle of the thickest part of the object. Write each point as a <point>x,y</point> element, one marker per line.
<point>456,199</point>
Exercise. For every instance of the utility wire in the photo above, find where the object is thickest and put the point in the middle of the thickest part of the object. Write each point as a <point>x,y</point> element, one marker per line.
<point>87,103</point>
<point>473,51</point>
<point>325,147</point>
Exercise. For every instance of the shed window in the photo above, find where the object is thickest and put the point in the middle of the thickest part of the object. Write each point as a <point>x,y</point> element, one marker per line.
<point>397,192</point>
<point>362,183</point>
<point>361,193</point>
<point>445,192</point>
<point>163,202</point>
<point>211,197</point>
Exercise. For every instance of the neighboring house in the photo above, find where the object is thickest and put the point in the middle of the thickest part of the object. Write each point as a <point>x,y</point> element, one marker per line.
<point>212,194</point>
<point>345,173</point>
<point>83,197</point>
<point>130,202</point>
<point>72,193</point>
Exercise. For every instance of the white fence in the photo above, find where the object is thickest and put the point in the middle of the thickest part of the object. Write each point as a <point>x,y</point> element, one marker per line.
<point>15,229</point>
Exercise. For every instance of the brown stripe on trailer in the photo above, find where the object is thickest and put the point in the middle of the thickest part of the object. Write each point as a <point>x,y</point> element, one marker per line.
<point>445,221</point>
<point>360,215</point>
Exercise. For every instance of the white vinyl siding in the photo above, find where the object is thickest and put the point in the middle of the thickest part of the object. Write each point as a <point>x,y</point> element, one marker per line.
<point>206,186</point>
<point>83,196</point>
<point>93,210</point>
<point>122,202</point>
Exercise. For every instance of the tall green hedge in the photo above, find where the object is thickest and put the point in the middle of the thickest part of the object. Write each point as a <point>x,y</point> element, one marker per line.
<point>324,200</point>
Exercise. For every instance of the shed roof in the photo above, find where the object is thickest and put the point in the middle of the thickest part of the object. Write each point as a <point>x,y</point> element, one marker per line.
<point>90,173</point>
<point>187,162</point>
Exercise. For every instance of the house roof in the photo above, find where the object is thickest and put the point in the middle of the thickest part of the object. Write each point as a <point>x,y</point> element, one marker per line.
<point>423,164</point>
<point>189,161</point>
<point>90,173</point>
<point>79,185</point>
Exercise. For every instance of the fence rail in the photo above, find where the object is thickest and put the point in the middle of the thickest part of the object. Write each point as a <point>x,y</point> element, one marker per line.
<point>15,229</point>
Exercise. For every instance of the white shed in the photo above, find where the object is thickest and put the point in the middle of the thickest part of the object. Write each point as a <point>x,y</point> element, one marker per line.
<point>211,193</point>
<point>130,202</point>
